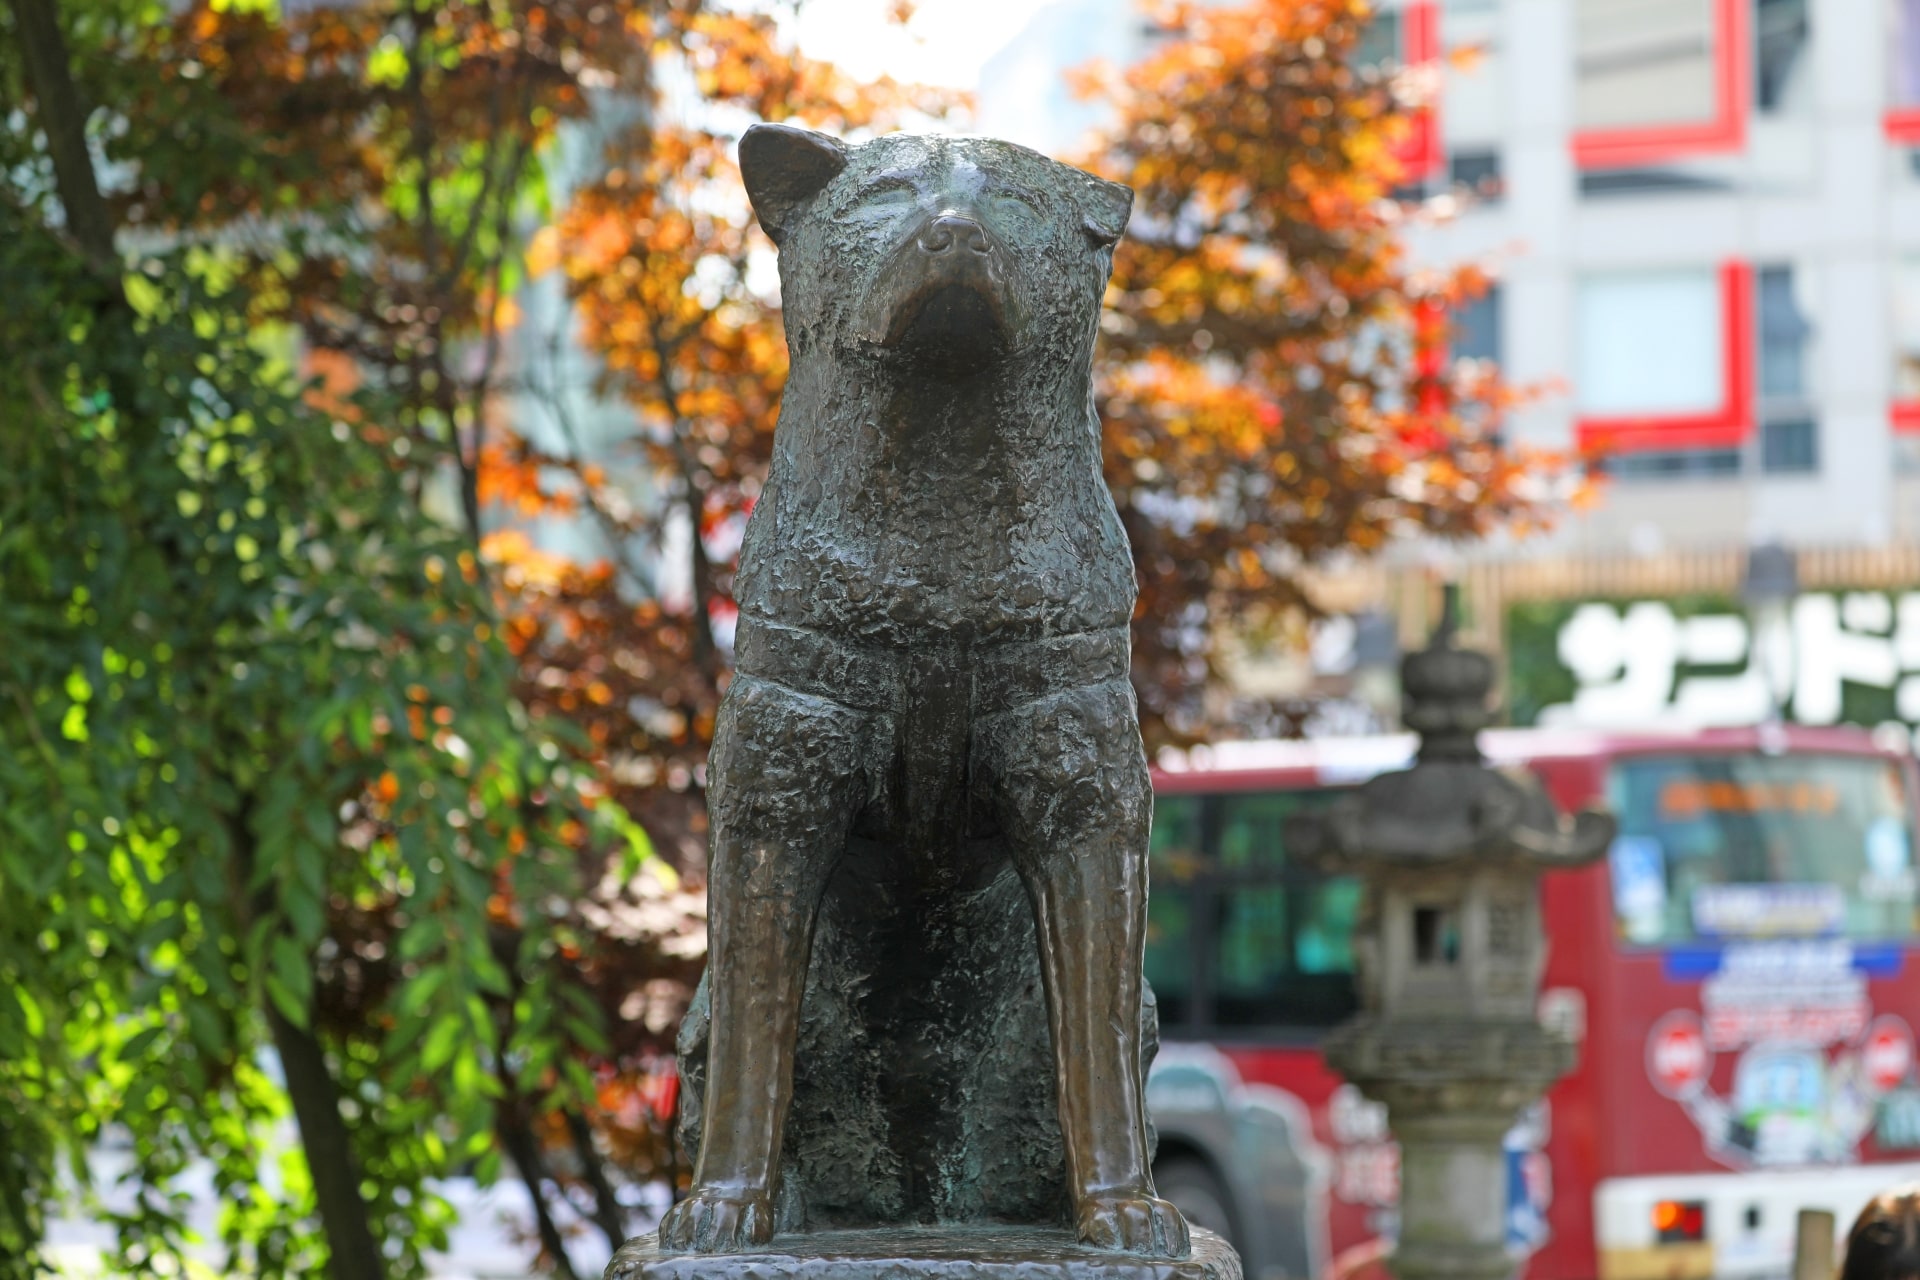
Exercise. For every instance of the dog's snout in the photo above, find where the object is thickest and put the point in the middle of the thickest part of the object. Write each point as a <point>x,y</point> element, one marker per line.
<point>953,233</point>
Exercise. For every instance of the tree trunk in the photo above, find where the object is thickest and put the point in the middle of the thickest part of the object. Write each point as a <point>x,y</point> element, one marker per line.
<point>352,1252</point>
<point>43,49</point>
<point>59,111</point>
<point>524,1150</point>
<point>706,652</point>
<point>606,1204</point>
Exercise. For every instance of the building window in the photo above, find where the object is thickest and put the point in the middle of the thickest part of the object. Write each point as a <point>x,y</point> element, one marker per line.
<point>1784,334</point>
<point>1672,464</point>
<point>1476,171</point>
<point>1779,51</point>
<point>1679,370</point>
<point>1643,64</point>
<point>1476,328</point>
<point>1693,95</point>
<point>1906,345</point>
<point>1789,448</point>
<point>1659,80</point>
<point>1903,111</point>
<point>1379,42</point>
<point>1789,430</point>
<point>1472,111</point>
<point>1649,344</point>
<point>1453,139</point>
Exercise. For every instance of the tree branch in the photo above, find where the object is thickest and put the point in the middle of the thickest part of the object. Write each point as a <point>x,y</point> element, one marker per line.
<point>489,360</point>
<point>706,652</point>
<point>463,248</point>
<point>43,49</point>
<point>553,398</point>
<point>606,1204</point>
<point>524,1149</point>
<point>422,132</point>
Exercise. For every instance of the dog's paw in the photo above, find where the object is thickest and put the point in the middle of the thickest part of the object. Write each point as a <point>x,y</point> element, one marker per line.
<point>717,1222</point>
<point>1134,1222</point>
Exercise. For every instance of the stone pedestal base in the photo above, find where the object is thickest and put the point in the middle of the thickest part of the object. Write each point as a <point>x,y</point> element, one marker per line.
<point>1452,1090</point>
<point>925,1253</point>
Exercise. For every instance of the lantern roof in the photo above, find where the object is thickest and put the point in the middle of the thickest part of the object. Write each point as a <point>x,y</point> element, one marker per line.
<point>1450,807</point>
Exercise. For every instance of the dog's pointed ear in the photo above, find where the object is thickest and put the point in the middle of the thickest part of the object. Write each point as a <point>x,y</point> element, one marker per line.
<point>784,168</point>
<point>1106,206</point>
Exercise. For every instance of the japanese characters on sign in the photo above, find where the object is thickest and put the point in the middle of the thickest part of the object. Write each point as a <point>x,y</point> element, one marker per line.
<point>1640,664</point>
<point>1802,992</point>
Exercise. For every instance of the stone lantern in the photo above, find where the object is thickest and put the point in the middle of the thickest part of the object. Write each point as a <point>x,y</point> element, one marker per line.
<point>1449,951</point>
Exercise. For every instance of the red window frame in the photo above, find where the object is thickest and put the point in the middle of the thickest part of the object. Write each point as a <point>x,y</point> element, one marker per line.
<point>1905,414</point>
<point>1902,123</point>
<point>1727,129</point>
<point>1725,427</point>
<point>1422,153</point>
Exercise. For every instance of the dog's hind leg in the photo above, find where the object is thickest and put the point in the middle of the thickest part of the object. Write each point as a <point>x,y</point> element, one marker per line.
<point>785,786</point>
<point>1069,782</point>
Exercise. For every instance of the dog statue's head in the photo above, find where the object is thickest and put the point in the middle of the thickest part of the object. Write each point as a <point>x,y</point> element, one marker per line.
<point>947,256</point>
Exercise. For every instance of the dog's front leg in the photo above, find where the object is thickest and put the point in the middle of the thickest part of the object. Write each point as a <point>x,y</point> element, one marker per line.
<point>785,785</point>
<point>1070,783</point>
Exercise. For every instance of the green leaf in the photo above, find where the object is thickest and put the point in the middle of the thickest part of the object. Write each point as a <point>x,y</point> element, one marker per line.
<point>138,1046</point>
<point>292,967</point>
<point>304,911</point>
<point>288,1002</point>
<point>443,1036</point>
<point>417,994</point>
<point>486,1170</point>
<point>207,1029</point>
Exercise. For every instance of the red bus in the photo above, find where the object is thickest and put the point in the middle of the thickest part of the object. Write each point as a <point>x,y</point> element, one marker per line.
<point>1735,973</point>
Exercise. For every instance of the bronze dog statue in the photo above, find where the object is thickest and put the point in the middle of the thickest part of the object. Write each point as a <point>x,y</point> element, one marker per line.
<point>929,799</point>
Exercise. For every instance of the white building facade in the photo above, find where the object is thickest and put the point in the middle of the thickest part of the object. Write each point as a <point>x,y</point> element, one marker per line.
<point>1704,221</point>
<point>1706,217</point>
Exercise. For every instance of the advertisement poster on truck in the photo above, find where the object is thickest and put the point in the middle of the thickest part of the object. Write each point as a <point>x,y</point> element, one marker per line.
<point>1786,1063</point>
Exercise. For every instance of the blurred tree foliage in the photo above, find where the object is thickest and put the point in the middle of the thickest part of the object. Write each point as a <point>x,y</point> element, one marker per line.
<point>264,776</point>
<point>254,695</point>
<point>1274,378</point>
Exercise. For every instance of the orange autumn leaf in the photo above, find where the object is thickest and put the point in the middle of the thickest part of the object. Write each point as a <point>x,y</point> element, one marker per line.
<point>1274,387</point>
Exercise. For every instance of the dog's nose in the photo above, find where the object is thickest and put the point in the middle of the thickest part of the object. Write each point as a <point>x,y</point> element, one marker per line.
<point>951,232</point>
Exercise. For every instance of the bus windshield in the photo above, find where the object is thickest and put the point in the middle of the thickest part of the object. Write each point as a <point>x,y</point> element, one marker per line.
<point>1722,847</point>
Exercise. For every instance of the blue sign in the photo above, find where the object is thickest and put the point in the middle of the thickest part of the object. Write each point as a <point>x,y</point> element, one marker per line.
<point>1529,1182</point>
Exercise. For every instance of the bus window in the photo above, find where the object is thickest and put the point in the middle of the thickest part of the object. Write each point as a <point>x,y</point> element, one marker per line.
<point>1176,851</point>
<point>1176,855</point>
<point>1236,936</point>
<point>1718,847</point>
<point>1251,830</point>
<point>1282,946</point>
<point>1324,943</point>
<point>1254,951</point>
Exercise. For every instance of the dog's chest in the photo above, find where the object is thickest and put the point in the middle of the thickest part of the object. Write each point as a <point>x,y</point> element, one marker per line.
<point>888,554</point>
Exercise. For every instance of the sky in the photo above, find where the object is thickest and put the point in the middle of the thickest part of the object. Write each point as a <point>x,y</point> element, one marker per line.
<point>946,42</point>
